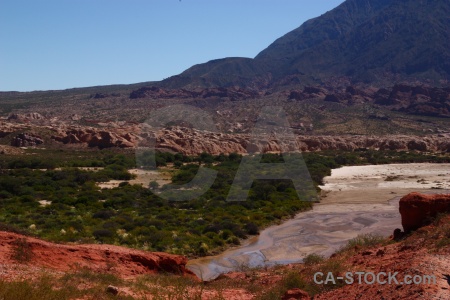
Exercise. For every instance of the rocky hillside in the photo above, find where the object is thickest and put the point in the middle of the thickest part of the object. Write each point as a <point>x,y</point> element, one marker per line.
<point>226,72</point>
<point>42,255</point>
<point>422,252</point>
<point>190,141</point>
<point>193,142</point>
<point>375,41</point>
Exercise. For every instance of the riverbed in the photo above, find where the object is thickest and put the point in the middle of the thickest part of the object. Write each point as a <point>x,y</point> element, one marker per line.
<point>354,200</point>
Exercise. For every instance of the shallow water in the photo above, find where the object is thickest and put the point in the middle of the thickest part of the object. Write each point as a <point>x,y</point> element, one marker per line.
<point>322,231</point>
<point>372,208</point>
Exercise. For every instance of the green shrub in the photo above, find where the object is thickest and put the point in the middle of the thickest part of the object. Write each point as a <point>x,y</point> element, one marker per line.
<point>42,288</point>
<point>251,228</point>
<point>102,234</point>
<point>233,240</point>
<point>443,242</point>
<point>363,241</point>
<point>22,251</point>
<point>313,259</point>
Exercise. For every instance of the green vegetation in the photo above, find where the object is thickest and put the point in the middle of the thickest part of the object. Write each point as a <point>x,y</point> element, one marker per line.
<point>50,159</point>
<point>441,238</point>
<point>313,259</point>
<point>302,278</point>
<point>363,241</point>
<point>134,216</point>
<point>83,283</point>
<point>22,251</point>
<point>87,284</point>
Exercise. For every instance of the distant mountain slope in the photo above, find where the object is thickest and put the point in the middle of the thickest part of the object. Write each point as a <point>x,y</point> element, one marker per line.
<point>232,71</point>
<point>367,39</point>
<point>320,34</point>
<point>374,41</point>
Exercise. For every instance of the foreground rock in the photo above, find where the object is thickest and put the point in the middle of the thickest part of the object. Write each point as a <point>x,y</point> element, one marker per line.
<point>421,254</point>
<point>112,290</point>
<point>296,294</point>
<point>122,261</point>
<point>418,210</point>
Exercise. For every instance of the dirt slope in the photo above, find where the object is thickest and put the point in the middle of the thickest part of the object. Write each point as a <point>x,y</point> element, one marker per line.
<point>125,262</point>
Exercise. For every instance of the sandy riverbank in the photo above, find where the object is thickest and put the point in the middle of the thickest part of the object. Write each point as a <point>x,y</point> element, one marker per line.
<point>379,183</point>
<point>143,177</point>
<point>362,199</point>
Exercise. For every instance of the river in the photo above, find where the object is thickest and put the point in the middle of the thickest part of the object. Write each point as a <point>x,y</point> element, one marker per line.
<point>355,200</point>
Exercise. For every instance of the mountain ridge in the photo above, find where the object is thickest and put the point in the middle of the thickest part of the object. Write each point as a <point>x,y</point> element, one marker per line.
<point>373,42</point>
<point>369,41</point>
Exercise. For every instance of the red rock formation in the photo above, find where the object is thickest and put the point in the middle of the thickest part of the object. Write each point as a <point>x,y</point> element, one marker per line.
<point>159,93</point>
<point>26,117</point>
<point>193,142</point>
<point>313,90</point>
<point>419,100</point>
<point>296,294</point>
<point>122,261</point>
<point>26,140</point>
<point>418,209</point>
<point>97,138</point>
<point>338,98</point>
<point>297,95</point>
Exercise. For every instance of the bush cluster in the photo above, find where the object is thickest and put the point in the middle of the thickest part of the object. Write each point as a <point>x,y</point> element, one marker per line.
<point>135,216</point>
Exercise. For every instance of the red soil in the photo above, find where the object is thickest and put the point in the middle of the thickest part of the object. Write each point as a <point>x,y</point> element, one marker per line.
<point>417,209</point>
<point>121,261</point>
<point>417,254</point>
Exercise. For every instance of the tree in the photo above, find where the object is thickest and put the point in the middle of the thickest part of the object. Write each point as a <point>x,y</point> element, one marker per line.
<point>153,185</point>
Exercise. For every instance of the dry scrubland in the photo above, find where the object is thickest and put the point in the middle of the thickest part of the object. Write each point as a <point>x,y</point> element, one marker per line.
<point>424,252</point>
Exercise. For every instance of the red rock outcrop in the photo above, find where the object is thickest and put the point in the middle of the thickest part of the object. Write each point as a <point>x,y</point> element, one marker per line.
<point>29,117</point>
<point>415,256</point>
<point>160,93</point>
<point>296,294</point>
<point>419,100</point>
<point>26,140</point>
<point>97,138</point>
<point>122,261</point>
<point>350,96</point>
<point>193,142</point>
<point>308,93</point>
<point>418,209</point>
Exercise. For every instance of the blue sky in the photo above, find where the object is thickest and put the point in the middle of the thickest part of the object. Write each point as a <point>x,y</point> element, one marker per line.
<point>58,44</point>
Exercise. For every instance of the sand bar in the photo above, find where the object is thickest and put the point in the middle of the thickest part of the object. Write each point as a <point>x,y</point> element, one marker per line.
<point>357,200</point>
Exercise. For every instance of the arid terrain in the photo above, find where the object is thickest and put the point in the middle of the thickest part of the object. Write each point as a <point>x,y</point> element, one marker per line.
<point>423,252</point>
<point>356,200</point>
<point>91,177</point>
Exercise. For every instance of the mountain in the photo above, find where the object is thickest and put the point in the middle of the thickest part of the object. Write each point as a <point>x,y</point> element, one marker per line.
<point>373,41</point>
<point>232,71</point>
